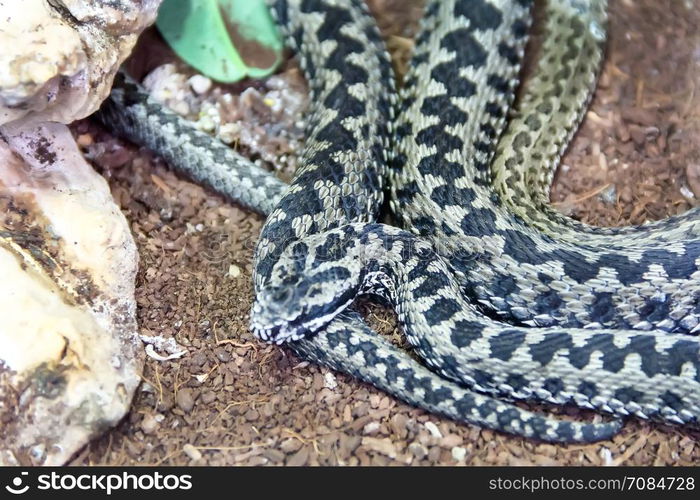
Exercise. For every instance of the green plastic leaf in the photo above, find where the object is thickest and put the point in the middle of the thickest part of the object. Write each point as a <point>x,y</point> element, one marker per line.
<point>226,40</point>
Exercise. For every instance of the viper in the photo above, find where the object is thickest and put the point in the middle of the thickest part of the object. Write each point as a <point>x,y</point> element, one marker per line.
<point>600,325</point>
<point>356,127</point>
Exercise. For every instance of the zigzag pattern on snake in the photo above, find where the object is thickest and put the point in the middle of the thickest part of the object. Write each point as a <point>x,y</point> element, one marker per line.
<point>516,272</point>
<point>204,157</point>
<point>456,98</point>
<point>346,344</point>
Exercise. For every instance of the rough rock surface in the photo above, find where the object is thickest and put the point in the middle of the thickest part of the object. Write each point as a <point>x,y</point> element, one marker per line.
<point>70,360</point>
<point>59,57</point>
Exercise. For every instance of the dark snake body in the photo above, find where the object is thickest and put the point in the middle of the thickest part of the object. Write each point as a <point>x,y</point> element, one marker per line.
<point>641,278</point>
<point>456,86</point>
<point>346,344</point>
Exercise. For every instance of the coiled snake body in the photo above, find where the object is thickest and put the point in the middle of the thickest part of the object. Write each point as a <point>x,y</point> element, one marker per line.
<point>452,112</point>
<point>340,183</point>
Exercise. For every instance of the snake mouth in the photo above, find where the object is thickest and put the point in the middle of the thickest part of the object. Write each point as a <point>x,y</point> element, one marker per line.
<point>270,326</point>
<point>279,331</point>
<point>291,331</point>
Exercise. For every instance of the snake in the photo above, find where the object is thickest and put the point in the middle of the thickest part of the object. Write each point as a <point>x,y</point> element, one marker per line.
<point>527,154</point>
<point>637,304</point>
<point>643,278</point>
<point>344,59</point>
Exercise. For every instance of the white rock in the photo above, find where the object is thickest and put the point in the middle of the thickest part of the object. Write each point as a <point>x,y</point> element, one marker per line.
<point>329,381</point>
<point>234,271</point>
<point>433,429</point>
<point>168,86</point>
<point>459,453</point>
<point>71,357</point>
<point>59,57</point>
<point>200,83</point>
<point>371,428</point>
<point>149,424</point>
<point>192,452</point>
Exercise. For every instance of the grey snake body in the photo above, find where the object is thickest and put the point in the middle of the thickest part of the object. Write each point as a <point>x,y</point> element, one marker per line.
<point>340,182</point>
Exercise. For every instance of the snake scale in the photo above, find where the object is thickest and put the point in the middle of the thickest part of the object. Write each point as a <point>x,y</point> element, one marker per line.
<point>452,112</point>
<point>340,183</point>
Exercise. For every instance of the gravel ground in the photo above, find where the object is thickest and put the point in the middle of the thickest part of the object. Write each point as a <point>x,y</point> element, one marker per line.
<point>233,400</point>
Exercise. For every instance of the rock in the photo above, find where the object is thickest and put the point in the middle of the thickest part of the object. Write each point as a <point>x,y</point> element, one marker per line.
<point>330,381</point>
<point>692,173</point>
<point>192,452</point>
<point>638,134</point>
<point>208,397</point>
<point>398,425</point>
<point>383,446</point>
<point>433,429</point>
<point>185,399</point>
<point>59,57</point>
<point>459,453</point>
<point>275,456</point>
<point>451,440</point>
<point>418,450</point>
<point>234,271</point>
<point>290,445</point>
<point>371,428</point>
<point>149,424</point>
<point>71,356</point>
<point>301,457</point>
<point>199,83</point>
<point>223,355</point>
<point>348,443</point>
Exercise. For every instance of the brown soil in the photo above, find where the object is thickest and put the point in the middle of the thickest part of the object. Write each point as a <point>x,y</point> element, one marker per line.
<point>234,400</point>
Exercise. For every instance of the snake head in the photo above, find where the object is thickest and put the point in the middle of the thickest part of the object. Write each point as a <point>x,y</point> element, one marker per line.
<point>306,290</point>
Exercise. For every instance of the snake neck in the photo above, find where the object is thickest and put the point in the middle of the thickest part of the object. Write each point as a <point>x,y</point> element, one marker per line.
<point>340,178</point>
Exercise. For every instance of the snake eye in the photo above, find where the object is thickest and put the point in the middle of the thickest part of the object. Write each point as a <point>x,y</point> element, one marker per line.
<point>282,295</point>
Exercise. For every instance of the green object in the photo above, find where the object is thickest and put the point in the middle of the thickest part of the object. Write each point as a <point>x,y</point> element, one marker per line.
<point>226,40</point>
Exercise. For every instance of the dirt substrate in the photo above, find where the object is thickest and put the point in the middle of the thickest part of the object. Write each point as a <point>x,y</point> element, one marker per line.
<point>233,400</point>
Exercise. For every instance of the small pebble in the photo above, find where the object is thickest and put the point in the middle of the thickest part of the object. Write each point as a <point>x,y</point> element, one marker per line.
<point>459,453</point>
<point>330,381</point>
<point>383,446</point>
<point>166,403</point>
<point>234,271</point>
<point>692,173</point>
<point>418,450</point>
<point>371,428</point>
<point>192,452</point>
<point>349,443</point>
<point>433,429</point>
<point>206,123</point>
<point>185,400</point>
<point>451,440</point>
<point>223,355</point>
<point>229,132</point>
<point>290,445</point>
<point>299,458</point>
<point>273,455</point>
<point>84,140</point>
<point>208,397</point>
<point>149,424</point>
<point>609,195</point>
<point>180,107</point>
<point>199,83</point>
